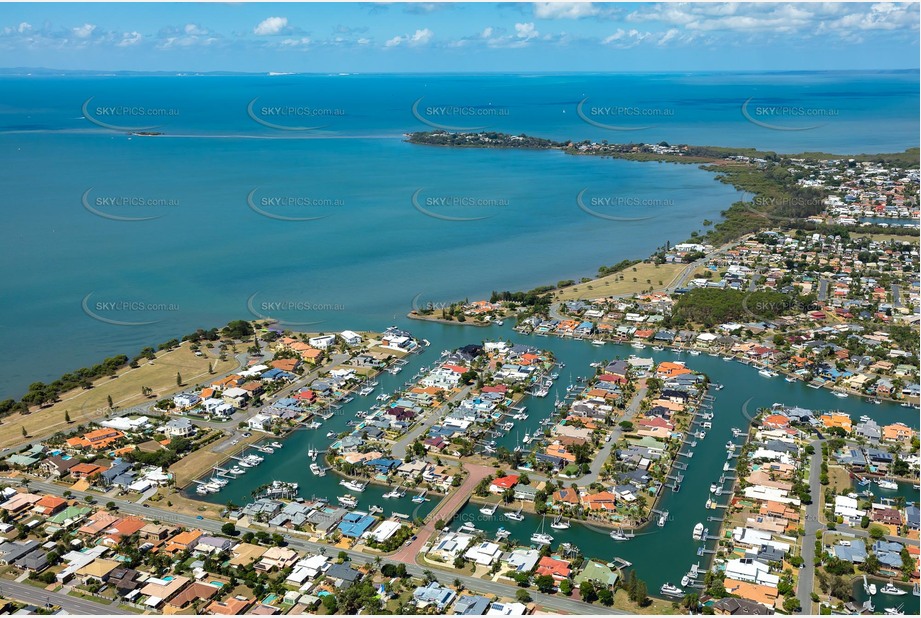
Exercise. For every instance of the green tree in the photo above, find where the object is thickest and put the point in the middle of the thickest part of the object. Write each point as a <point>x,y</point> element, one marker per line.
<point>587,592</point>
<point>544,583</point>
<point>229,529</point>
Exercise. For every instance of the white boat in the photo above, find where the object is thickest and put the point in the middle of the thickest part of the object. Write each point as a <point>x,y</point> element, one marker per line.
<point>892,589</point>
<point>514,515</point>
<point>502,534</point>
<point>619,535</point>
<point>331,434</point>
<point>499,322</point>
<point>487,510</point>
<point>887,484</point>
<point>767,373</point>
<point>374,510</point>
<point>638,345</point>
<point>730,446</point>
<point>315,469</point>
<point>876,401</point>
<point>869,588</point>
<point>713,488</point>
<point>275,444</point>
<point>467,527</point>
<point>354,485</point>
<point>789,379</point>
<point>559,524</point>
<point>237,470</point>
<point>348,500</point>
<point>597,342</point>
<point>662,519</point>
<point>839,394</point>
<point>698,531</point>
<point>726,467</point>
<point>694,352</point>
<point>541,538</point>
<point>686,579</point>
<point>658,348</point>
<point>672,591</point>
<point>420,498</point>
<point>894,611</point>
<point>366,391</point>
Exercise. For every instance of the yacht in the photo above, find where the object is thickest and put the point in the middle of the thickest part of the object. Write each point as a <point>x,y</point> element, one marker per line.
<point>662,519</point>
<point>869,588</point>
<point>420,498</point>
<point>767,373</point>
<point>374,510</point>
<point>395,493</point>
<point>366,391</point>
<point>694,352</point>
<point>275,444</point>
<point>315,468</point>
<point>331,434</point>
<point>348,500</point>
<point>698,531</point>
<point>658,348</point>
<point>730,446</point>
<point>839,394</point>
<point>489,510</point>
<point>354,485</point>
<point>713,488</point>
<point>515,515</point>
<point>468,527</point>
<point>892,589</point>
<point>672,591</point>
<point>597,342</point>
<point>638,345</point>
<point>686,579</point>
<point>887,484</point>
<point>559,524</point>
<point>894,611</point>
<point>876,401</point>
<point>502,534</point>
<point>620,535</point>
<point>789,379</point>
<point>237,470</point>
<point>540,537</point>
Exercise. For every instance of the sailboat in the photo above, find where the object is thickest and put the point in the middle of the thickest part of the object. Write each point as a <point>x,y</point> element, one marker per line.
<point>559,524</point>
<point>540,537</point>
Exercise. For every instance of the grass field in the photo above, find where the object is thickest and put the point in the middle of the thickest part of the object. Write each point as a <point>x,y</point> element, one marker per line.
<point>84,406</point>
<point>192,465</point>
<point>612,285</point>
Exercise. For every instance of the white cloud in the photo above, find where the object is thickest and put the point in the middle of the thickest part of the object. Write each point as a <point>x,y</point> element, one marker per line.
<point>84,32</point>
<point>271,26</point>
<point>394,41</point>
<point>129,38</point>
<point>625,39</point>
<point>296,42</point>
<point>668,36</point>
<point>526,31</point>
<point>421,37</point>
<point>487,32</point>
<point>565,10</point>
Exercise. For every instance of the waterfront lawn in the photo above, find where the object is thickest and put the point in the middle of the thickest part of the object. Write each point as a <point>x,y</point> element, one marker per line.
<point>622,282</point>
<point>84,406</point>
<point>194,464</point>
<point>622,602</point>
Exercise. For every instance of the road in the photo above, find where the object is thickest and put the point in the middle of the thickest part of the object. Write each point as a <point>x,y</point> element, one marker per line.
<point>553,603</point>
<point>398,449</point>
<point>602,456</point>
<point>73,605</point>
<point>813,525</point>
<point>896,296</point>
<point>823,290</point>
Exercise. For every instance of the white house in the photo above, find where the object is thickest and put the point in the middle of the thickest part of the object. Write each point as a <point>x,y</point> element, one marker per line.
<point>260,422</point>
<point>350,337</point>
<point>750,570</point>
<point>122,423</point>
<point>484,553</point>
<point>385,530</point>
<point>323,342</point>
<point>185,401</point>
<point>179,428</point>
<point>308,568</point>
<point>446,376</point>
<point>846,507</point>
<point>236,396</point>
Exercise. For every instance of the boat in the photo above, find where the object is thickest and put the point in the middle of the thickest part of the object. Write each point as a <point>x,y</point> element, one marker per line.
<point>395,493</point>
<point>502,534</point>
<point>597,342</point>
<point>863,482</point>
<point>694,352</point>
<point>638,345</point>
<point>658,348</point>
<point>869,588</point>
<point>559,524</point>
<point>354,485</point>
<point>892,589</point>
<point>275,444</point>
<point>540,537</point>
<point>713,488</point>
<point>876,401</point>
<point>709,504</point>
<point>839,394</point>
<point>887,484</point>
<point>374,510</point>
<point>315,469</point>
<point>331,434</point>
<point>730,446</point>
<point>486,510</point>
<point>312,453</point>
<point>620,535</point>
<point>348,500</point>
<point>420,498</point>
<point>366,391</point>
<point>719,491</point>
<point>727,358</point>
<point>767,373</point>
<point>499,322</point>
<point>663,517</point>
<point>719,387</point>
<point>789,379</point>
<point>467,527</point>
<point>670,590</point>
<point>698,531</point>
<point>515,515</point>
<point>237,470</point>
<point>726,467</point>
<point>894,611</point>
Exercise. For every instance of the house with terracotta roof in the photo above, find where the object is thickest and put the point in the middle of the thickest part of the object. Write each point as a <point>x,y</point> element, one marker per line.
<point>897,432</point>
<point>86,471</point>
<point>566,496</point>
<point>601,501</point>
<point>233,606</point>
<point>759,593</point>
<point>183,541</point>
<point>124,527</point>
<point>775,421</point>
<point>499,485</point>
<point>196,591</point>
<point>159,591</point>
<point>49,505</point>
<point>835,419</point>
<point>96,439</point>
<point>557,569</point>
<point>669,369</point>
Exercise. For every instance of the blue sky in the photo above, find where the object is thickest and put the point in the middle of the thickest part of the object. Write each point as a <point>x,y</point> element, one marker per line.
<point>452,37</point>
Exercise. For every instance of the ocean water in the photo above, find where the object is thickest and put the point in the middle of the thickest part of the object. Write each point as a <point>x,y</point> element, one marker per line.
<point>379,225</point>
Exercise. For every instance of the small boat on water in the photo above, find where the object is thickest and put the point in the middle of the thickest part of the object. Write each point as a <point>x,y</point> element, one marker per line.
<point>237,470</point>
<point>559,524</point>
<point>638,345</point>
<point>275,444</point>
<point>348,500</point>
<point>789,379</point>
<point>893,590</point>
<point>315,468</point>
<point>876,401</point>
<point>713,488</point>
<point>767,373</point>
<point>670,590</point>
<point>839,394</point>
<point>663,517</point>
<point>374,510</point>
<point>354,485</point>
<point>887,484</point>
<point>894,611</point>
<point>698,531</point>
<point>420,498</point>
<point>869,588</point>
<point>395,493</point>
<point>694,352</point>
<point>541,538</point>
<point>468,527</point>
<point>620,535</point>
<point>514,515</point>
<point>502,534</point>
<point>489,510</point>
<point>331,434</point>
<point>597,342</point>
<point>658,348</point>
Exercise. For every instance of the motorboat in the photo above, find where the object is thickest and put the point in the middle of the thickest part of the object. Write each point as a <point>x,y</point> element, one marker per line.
<point>767,373</point>
<point>331,434</point>
<point>638,345</point>
<point>713,488</point>
<point>670,590</point>
<point>620,535</point>
<point>559,524</point>
<point>694,352</point>
<point>237,470</point>
<point>315,468</point>
<point>658,348</point>
<point>887,484</point>
<point>698,531</point>
<point>789,379</point>
<point>663,517</point>
<point>420,498</point>
<point>395,493</point>
<point>502,534</point>
<point>869,588</point>
<point>730,446</point>
<point>275,444</point>
<point>348,500</point>
<point>354,485</point>
<point>892,589</point>
<point>374,510</point>
<point>839,394</point>
<point>514,515</point>
<point>489,510</point>
<point>541,538</point>
<point>876,401</point>
<point>597,342</point>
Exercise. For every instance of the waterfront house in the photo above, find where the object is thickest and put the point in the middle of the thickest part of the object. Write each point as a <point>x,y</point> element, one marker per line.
<point>500,484</point>
<point>557,569</point>
<point>598,573</point>
<point>484,553</point>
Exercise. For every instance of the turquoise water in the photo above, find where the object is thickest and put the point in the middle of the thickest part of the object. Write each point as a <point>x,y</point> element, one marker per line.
<point>908,602</point>
<point>745,391</point>
<point>209,253</point>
